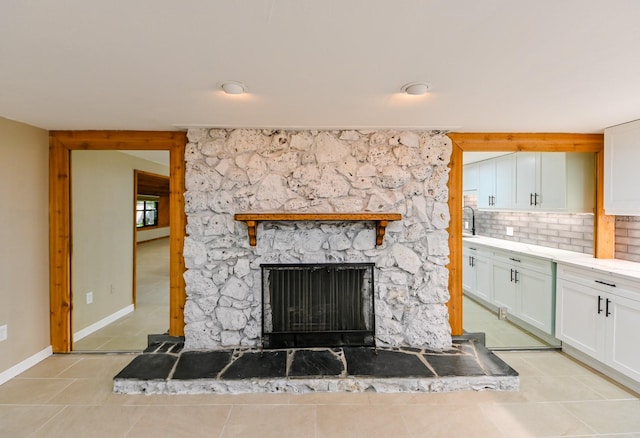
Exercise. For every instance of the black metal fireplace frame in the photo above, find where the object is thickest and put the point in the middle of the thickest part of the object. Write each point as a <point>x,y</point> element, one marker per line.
<point>322,338</point>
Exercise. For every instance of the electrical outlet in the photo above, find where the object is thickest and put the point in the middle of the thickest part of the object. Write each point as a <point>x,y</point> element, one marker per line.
<point>509,231</point>
<point>89,297</point>
<point>502,313</point>
<point>3,332</point>
<point>466,225</point>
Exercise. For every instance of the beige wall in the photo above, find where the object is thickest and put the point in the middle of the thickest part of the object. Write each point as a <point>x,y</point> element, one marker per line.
<point>24,241</point>
<point>103,221</point>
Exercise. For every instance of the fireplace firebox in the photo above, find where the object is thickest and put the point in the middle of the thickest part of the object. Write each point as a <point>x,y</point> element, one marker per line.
<point>317,305</point>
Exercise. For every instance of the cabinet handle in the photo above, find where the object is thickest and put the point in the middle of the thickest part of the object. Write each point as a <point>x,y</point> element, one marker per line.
<point>606,311</point>
<point>472,249</point>
<point>530,198</point>
<point>535,199</point>
<point>490,200</point>
<point>606,284</point>
<point>511,275</point>
<point>514,260</point>
<point>599,304</point>
<point>516,275</point>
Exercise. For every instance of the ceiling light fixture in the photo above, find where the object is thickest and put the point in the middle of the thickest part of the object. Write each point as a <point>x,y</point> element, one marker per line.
<point>416,88</point>
<point>233,87</point>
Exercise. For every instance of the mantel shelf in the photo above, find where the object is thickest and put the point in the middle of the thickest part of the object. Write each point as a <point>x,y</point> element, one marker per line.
<point>381,220</point>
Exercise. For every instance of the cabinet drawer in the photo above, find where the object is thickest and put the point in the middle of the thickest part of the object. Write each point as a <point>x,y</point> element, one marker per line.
<point>600,280</point>
<point>544,266</point>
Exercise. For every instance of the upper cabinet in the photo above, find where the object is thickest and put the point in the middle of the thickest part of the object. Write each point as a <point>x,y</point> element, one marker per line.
<point>496,183</point>
<point>538,181</point>
<point>621,175</point>
<point>555,181</point>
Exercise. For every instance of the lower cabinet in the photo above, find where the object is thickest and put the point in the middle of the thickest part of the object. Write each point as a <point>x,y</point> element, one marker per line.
<point>599,315</point>
<point>476,272</point>
<point>522,284</point>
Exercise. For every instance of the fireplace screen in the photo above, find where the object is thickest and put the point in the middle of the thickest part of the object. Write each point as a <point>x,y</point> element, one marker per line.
<point>317,305</point>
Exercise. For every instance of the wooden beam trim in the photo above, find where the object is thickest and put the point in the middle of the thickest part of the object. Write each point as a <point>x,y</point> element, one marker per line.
<point>60,145</point>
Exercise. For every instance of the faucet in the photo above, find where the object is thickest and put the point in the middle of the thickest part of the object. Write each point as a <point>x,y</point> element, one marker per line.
<point>473,219</point>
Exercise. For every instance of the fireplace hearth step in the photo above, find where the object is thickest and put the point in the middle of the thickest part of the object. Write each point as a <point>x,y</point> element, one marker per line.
<point>467,366</point>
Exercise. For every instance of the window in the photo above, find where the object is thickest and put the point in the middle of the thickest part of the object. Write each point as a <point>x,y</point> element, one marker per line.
<point>146,212</point>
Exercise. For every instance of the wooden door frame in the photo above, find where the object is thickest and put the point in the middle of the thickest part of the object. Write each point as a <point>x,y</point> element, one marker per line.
<point>604,225</point>
<point>61,143</point>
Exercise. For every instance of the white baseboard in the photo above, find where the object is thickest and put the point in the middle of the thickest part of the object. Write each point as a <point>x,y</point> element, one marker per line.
<point>102,323</point>
<point>23,366</point>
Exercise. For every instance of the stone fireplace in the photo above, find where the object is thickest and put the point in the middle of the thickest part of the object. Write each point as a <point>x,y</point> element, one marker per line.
<point>231,171</point>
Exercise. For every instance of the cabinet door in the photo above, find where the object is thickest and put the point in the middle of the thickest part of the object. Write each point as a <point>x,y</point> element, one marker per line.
<point>578,322</point>
<point>621,176</point>
<point>484,277</point>
<point>526,167</point>
<point>505,181</point>
<point>552,185</point>
<point>535,295</point>
<point>504,288</point>
<point>470,177</point>
<point>468,271</point>
<point>623,327</point>
<point>486,183</point>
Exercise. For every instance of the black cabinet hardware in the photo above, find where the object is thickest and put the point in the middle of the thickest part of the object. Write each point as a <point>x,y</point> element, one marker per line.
<point>599,304</point>
<point>606,307</point>
<point>606,284</point>
<point>511,274</point>
<point>530,198</point>
<point>514,260</point>
<point>516,275</point>
<point>535,199</point>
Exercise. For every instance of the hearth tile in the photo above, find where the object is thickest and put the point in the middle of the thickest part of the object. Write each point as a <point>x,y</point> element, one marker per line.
<point>165,347</point>
<point>201,364</point>
<point>150,366</point>
<point>447,365</point>
<point>362,361</point>
<point>177,348</point>
<point>152,347</point>
<point>265,364</point>
<point>492,363</point>
<point>310,363</point>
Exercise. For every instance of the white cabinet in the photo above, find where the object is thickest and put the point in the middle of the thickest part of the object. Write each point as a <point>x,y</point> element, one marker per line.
<point>524,285</point>
<point>599,315</point>
<point>621,175</point>
<point>554,181</point>
<point>470,177</point>
<point>476,272</point>
<point>496,183</point>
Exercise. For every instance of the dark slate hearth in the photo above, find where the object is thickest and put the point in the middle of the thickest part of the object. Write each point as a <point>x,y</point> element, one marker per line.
<point>201,364</point>
<point>362,361</point>
<point>264,364</point>
<point>307,363</point>
<point>454,365</point>
<point>467,365</point>
<point>148,367</point>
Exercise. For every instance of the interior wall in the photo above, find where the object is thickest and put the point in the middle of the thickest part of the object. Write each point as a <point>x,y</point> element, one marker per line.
<point>24,252</point>
<point>102,226</point>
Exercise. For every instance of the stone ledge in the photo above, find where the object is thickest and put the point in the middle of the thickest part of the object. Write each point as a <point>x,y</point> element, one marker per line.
<point>467,366</point>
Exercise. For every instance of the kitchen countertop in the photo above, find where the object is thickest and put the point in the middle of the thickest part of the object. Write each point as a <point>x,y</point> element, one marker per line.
<point>616,267</point>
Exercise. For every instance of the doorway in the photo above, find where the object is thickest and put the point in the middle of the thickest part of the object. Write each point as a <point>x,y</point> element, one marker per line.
<point>61,145</point>
<point>500,142</point>
<point>120,295</point>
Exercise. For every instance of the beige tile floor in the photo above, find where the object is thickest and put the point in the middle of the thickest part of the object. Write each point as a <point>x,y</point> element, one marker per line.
<point>151,315</point>
<point>500,333</point>
<point>70,396</point>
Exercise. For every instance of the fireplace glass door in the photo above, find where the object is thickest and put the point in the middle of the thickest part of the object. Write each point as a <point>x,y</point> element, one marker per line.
<point>317,305</point>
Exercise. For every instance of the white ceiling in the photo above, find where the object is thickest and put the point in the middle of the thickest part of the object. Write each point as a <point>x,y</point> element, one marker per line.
<point>495,65</point>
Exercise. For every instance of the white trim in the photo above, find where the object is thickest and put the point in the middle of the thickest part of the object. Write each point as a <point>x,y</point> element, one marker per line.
<point>23,366</point>
<point>102,323</point>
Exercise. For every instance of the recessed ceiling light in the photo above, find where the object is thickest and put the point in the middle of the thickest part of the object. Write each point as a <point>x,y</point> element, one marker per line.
<point>233,87</point>
<point>416,88</point>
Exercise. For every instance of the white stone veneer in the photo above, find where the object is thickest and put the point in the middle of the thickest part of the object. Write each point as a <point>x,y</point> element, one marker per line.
<point>231,171</point>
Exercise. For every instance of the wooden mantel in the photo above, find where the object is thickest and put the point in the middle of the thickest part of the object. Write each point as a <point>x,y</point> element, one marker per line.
<point>381,220</point>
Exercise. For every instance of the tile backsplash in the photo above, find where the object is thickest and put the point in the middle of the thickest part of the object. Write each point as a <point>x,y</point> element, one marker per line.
<point>628,238</point>
<point>572,232</point>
